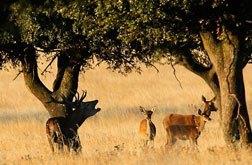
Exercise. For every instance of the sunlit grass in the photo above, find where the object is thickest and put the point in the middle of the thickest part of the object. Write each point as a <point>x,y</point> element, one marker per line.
<point>22,120</point>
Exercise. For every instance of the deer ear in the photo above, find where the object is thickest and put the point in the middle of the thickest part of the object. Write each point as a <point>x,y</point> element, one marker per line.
<point>213,99</point>
<point>142,109</point>
<point>203,98</point>
<point>199,112</point>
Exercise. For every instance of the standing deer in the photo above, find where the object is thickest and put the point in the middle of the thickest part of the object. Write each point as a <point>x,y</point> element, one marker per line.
<point>61,132</point>
<point>147,129</point>
<point>188,127</point>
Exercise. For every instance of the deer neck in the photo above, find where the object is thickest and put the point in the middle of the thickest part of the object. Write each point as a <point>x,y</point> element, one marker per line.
<point>148,119</point>
<point>201,123</point>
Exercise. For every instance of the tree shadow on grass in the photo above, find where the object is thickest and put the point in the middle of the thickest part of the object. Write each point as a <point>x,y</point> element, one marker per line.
<point>7,117</point>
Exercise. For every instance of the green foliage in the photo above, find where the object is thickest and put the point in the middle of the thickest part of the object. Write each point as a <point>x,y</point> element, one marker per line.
<point>120,32</point>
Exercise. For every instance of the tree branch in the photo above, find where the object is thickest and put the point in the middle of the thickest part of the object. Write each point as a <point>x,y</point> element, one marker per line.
<point>208,74</point>
<point>175,75</point>
<point>19,72</point>
<point>62,63</point>
<point>185,58</point>
<point>32,80</point>
<point>69,83</point>
<point>66,82</point>
<point>210,46</point>
<point>50,63</point>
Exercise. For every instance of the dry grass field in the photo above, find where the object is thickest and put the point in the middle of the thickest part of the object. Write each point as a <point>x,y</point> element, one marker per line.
<point>111,136</point>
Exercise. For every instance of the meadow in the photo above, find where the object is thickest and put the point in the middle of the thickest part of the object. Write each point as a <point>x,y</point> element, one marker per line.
<point>111,137</point>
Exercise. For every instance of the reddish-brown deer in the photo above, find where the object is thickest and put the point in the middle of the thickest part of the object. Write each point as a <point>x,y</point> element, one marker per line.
<point>147,129</point>
<point>187,127</point>
<point>60,131</point>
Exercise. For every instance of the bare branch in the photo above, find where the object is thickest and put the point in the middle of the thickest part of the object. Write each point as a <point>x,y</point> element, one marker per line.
<point>174,73</point>
<point>50,63</point>
<point>98,64</point>
<point>186,59</point>
<point>249,21</point>
<point>150,64</point>
<point>19,72</point>
<point>43,51</point>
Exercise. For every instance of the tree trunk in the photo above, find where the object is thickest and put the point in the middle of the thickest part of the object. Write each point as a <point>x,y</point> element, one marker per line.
<point>235,121</point>
<point>65,84</point>
<point>208,74</point>
<point>38,89</point>
<point>225,58</point>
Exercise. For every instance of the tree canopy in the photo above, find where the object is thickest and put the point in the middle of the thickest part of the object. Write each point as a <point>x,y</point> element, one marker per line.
<point>118,32</point>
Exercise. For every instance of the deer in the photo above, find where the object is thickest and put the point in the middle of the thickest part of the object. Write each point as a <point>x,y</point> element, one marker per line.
<point>188,127</point>
<point>61,132</point>
<point>147,129</point>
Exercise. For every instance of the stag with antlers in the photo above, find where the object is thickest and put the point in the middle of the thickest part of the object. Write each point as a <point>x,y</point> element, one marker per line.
<point>62,131</point>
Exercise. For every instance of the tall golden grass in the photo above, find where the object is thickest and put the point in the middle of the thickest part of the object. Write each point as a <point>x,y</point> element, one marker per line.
<point>111,137</point>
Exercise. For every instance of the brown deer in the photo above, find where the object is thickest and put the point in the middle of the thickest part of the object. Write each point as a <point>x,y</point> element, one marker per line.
<point>187,127</point>
<point>62,132</point>
<point>147,129</point>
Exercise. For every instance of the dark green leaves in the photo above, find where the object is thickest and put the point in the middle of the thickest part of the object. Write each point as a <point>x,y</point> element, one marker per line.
<point>120,32</point>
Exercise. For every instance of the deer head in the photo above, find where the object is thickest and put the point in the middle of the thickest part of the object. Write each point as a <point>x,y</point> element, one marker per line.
<point>81,110</point>
<point>146,112</point>
<point>209,107</point>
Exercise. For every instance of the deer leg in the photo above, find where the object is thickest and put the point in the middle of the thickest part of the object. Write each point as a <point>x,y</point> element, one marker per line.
<point>167,139</point>
<point>73,141</point>
<point>78,147</point>
<point>146,143</point>
<point>142,142</point>
<point>194,143</point>
<point>152,143</point>
<point>50,140</point>
<point>59,139</point>
<point>173,141</point>
<point>69,145</point>
<point>170,141</point>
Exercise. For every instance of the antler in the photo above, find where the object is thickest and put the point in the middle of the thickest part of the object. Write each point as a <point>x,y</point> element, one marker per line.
<point>79,99</point>
<point>64,101</point>
<point>77,96</point>
<point>84,94</point>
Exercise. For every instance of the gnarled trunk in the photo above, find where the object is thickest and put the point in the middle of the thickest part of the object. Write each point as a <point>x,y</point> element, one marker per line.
<point>227,62</point>
<point>208,74</point>
<point>235,121</point>
<point>65,84</point>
